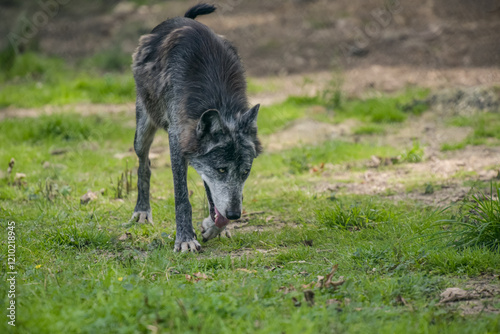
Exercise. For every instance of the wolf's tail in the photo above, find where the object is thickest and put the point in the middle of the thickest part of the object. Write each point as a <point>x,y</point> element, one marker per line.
<point>200,9</point>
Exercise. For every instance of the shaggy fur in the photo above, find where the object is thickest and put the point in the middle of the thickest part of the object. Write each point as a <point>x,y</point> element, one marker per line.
<point>190,82</point>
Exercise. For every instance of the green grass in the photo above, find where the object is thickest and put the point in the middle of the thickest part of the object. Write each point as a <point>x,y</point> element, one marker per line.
<point>485,130</point>
<point>414,154</point>
<point>75,275</point>
<point>385,108</point>
<point>72,265</point>
<point>478,222</point>
<point>369,129</point>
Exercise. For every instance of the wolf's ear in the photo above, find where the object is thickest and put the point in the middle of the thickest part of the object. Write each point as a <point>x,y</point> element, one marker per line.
<point>210,123</point>
<point>249,118</point>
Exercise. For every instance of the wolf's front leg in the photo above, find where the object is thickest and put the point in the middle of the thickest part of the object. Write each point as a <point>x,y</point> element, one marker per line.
<point>185,239</point>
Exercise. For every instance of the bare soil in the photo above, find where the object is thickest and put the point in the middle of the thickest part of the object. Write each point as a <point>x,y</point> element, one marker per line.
<point>281,36</point>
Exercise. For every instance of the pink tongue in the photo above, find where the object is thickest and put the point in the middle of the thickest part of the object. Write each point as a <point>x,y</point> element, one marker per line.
<point>220,221</point>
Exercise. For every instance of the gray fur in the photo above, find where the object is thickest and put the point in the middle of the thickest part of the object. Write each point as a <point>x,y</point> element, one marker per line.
<point>190,82</point>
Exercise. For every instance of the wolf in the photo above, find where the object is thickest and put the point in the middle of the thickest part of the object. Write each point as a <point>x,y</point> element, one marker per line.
<point>191,83</point>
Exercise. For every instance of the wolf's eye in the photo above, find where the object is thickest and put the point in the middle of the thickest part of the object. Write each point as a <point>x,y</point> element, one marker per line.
<point>221,170</point>
<point>246,171</point>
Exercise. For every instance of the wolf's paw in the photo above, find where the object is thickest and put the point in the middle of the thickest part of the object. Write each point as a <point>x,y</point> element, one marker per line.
<point>210,231</point>
<point>187,246</point>
<point>140,217</point>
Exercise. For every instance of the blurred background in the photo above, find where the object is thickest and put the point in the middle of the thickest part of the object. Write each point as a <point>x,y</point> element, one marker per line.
<point>380,121</point>
<point>388,44</point>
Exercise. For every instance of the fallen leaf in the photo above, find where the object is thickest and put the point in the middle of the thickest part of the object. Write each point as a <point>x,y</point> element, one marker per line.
<point>309,296</point>
<point>333,301</point>
<point>20,176</point>
<point>456,294</point>
<point>188,277</point>
<point>328,280</point>
<point>89,196</point>
<point>58,151</point>
<point>287,289</point>
<point>272,268</point>
<point>319,284</point>
<point>125,236</point>
<point>201,275</point>
<point>307,286</point>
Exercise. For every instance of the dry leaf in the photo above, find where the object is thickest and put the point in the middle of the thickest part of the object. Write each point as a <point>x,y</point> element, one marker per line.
<point>188,277</point>
<point>89,196</point>
<point>328,280</point>
<point>455,294</point>
<point>287,289</point>
<point>201,275</point>
<point>333,301</point>
<point>319,284</point>
<point>58,151</point>
<point>125,236</point>
<point>309,296</point>
<point>307,286</point>
<point>20,176</point>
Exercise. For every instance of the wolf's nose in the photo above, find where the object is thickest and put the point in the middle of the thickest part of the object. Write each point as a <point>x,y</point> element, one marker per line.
<point>233,215</point>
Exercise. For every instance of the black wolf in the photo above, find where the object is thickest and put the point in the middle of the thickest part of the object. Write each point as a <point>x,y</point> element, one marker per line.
<point>190,82</point>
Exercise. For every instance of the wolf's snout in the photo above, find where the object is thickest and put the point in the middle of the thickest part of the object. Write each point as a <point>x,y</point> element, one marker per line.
<point>233,215</point>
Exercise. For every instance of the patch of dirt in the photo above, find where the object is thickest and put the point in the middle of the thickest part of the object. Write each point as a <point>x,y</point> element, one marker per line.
<point>375,78</point>
<point>84,109</point>
<point>305,132</point>
<point>478,296</point>
<point>281,36</point>
<point>482,163</point>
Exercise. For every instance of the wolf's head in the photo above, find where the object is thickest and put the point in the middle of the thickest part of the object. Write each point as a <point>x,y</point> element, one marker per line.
<point>224,157</point>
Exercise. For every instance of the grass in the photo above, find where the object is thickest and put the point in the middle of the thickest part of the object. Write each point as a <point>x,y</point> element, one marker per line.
<point>414,154</point>
<point>478,222</point>
<point>73,266</point>
<point>81,271</point>
<point>485,130</point>
<point>370,129</point>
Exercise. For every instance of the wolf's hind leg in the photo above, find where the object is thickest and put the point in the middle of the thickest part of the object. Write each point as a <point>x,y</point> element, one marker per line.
<point>144,135</point>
